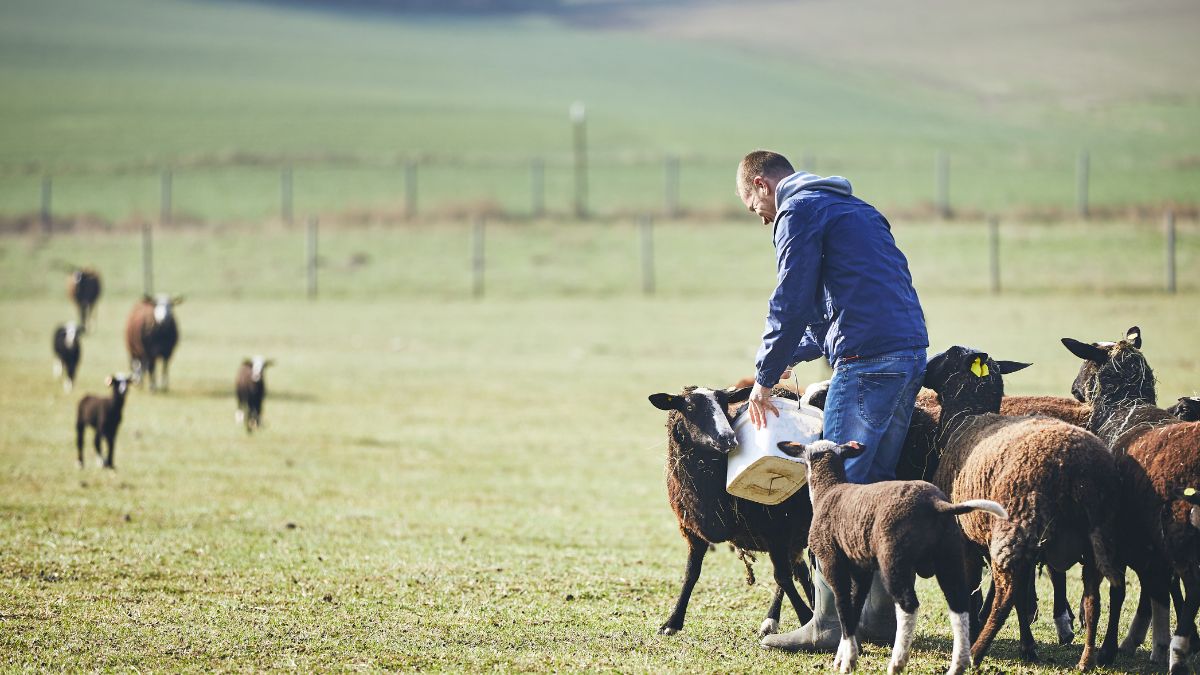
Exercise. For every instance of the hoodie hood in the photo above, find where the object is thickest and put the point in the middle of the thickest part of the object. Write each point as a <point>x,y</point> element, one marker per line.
<point>802,180</point>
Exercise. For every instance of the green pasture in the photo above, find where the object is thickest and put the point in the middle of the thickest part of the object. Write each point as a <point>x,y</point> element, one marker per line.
<point>102,97</point>
<point>458,484</point>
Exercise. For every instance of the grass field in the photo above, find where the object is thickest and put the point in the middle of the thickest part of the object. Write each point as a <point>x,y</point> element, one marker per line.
<point>103,97</point>
<point>455,484</point>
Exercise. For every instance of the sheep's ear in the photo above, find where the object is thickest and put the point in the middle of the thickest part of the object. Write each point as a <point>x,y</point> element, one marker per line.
<point>739,394</point>
<point>177,300</point>
<point>1006,367</point>
<point>850,450</point>
<point>268,362</point>
<point>1134,337</point>
<point>1189,494</point>
<point>247,362</point>
<point>108,381</point>
<point>791,449</point>
<point>146,298</point>
<point>666,401</point>
<point>1085,351</point>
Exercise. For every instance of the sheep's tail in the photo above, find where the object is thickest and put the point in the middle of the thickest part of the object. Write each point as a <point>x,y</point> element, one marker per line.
<point>988,505</point>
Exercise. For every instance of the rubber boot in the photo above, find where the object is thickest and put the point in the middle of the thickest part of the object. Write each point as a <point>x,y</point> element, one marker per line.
<point>878,621</point>
<point>822,633</point>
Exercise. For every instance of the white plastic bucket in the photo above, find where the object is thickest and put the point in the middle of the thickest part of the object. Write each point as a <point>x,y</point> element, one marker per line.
<point>758,469</point>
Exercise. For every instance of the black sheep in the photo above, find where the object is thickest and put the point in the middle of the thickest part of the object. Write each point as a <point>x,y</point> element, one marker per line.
<point>67,352</point>
<point>83,287</point>
<point>103,415</point>
<point>699,437</point>
<point>251,388</point>
<point>901,528</point>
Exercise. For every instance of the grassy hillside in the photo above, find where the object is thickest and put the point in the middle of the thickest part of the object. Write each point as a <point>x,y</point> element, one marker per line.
<point>141,85</point>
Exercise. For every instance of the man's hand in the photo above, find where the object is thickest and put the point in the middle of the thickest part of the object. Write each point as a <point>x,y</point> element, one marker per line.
<point>760,403</point>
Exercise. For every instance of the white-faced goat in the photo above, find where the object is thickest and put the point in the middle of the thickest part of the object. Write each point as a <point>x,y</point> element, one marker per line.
<point>151,334</point>
<point>1058,482</point>
<point>251,388</point>
<point>83,287</point>
<point>67,352</point>
<point>901,528</point>
<point>699,437</point>
<point>103,415</point>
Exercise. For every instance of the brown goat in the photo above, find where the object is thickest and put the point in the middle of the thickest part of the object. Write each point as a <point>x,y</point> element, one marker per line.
<point>103,415</point>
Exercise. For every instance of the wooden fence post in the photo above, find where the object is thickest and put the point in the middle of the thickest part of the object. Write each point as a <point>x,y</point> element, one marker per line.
<point>312,257</point>
<point>942,184</point>
<point>164,216</point>
<point>671,186</point>
<point>579,128</point>
<point>994,253</point>
<point>537,186</point>
<point>477,257</point>
<point>1170,232</point>
<point>147,260</point>
<point>285,195</point>
<point>647,230</point>
<point>47,190</point>
<point>1082,169</point>
<point>410,188</point>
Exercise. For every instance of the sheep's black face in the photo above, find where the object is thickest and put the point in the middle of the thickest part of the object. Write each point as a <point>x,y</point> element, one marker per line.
<point>1116,371</point>
<point>702,417</point>
<point>1187,409</point>
<point>970,376</point>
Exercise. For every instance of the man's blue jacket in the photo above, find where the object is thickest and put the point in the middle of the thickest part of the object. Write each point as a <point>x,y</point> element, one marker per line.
<point>844,287</point>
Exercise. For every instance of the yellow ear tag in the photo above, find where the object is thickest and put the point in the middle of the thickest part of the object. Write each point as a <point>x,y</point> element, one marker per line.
<point>1189,492</point>
<point>979,368</point>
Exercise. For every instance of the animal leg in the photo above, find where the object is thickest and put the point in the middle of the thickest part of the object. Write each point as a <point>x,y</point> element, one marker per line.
<point>783,562</point>
<point>1091,613</point>
<point>165,374</point>
<point>899,585</point>
<point>79,443</point>
<point>1064,619</point>
<point>973,571</point>
<point>770,624</point>
<point>96,443</point>
<point>1116,599</point>
<point>112,445</point>
<point>1002,604</point>
<point>1025,613</point>
<point>697,547</point>
<point>850,591</point>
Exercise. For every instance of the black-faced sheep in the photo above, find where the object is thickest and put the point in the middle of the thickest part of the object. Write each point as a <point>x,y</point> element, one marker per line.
<point>151,333</point>
<point>251,389</point>
<point>67,353</point>
<point>699,437</point>
<point>1187,408</point>
<point>103,415</point>
<point>83,287</point>
<point>1057,481</point>
<point>901,528</point>
<point>1158,454</point>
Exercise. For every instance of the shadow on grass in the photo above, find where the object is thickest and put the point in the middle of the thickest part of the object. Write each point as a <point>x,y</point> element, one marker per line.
<point>228,393</point>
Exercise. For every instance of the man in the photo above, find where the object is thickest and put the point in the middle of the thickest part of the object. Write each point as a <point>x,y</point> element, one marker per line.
<point>845,293</point>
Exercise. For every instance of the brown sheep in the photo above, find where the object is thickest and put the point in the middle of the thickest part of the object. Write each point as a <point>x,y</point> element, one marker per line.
<point>251,388</point>
<point>1159,454</point>
<point>699,437</point>
<point>1056,480</point>
<point>901,528</point>
<point>103,415</point>
<point>151,333</point>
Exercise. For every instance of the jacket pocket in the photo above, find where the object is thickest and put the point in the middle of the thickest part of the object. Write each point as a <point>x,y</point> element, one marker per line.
<point>878,396</point>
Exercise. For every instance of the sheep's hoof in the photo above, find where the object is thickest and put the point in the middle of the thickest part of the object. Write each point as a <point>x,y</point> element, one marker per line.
<point>768,627</point>
<point>667,630</point>
<point>1158,654</point>
<point>1106,656</point>
<point>1066,628</point>
<point>1029,654</point>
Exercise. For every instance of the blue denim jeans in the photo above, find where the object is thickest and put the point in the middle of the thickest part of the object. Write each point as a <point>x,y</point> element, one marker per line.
<point>871,401</point>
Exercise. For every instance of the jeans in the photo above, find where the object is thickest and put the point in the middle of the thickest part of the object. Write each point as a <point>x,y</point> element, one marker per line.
<point>871,401</point>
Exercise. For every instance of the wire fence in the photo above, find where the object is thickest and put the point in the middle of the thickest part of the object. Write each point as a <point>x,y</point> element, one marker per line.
<point>613,185</point>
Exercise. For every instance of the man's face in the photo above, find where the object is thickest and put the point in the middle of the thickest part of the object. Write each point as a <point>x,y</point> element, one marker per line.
<point>759,197</point>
